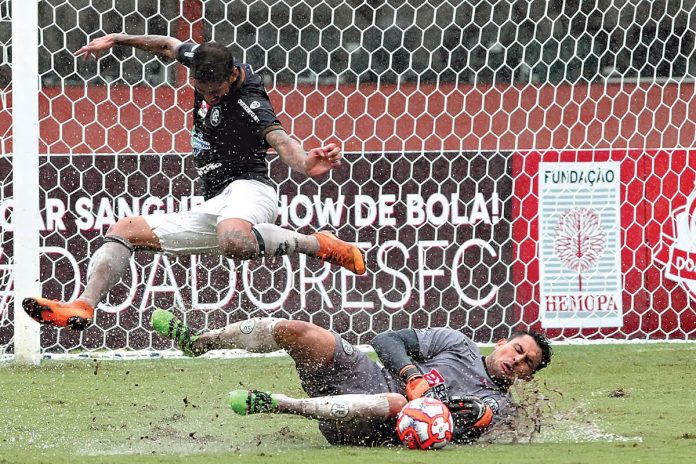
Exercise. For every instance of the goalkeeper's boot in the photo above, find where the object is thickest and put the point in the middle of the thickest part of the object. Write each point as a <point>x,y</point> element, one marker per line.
<point>245,402</point>
<point>76,315</point>
<point>336,251</point>
<point>167,325</point>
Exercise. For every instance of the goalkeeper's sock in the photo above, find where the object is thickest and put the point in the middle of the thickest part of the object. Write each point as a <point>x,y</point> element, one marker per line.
<point>276,241</point>
<point>245,402</point>
<point>167,325</point>
<point>342,407</point>
<point>254,335</point>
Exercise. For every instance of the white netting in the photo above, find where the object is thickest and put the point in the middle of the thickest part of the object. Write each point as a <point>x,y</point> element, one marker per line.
<point>472,131</point>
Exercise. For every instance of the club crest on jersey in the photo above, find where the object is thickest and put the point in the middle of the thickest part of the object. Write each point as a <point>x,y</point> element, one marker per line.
<point>215,116</point>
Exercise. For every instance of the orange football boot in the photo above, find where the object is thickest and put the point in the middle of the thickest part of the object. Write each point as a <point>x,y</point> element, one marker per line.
<point>336,251</point>
<point>76,315</point>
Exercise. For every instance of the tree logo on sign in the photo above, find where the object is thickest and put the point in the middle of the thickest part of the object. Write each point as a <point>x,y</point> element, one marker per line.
<point>579,240</point>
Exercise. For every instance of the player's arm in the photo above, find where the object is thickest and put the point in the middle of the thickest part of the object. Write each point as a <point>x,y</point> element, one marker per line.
<point>397,350</point>
<point>315,162</point>
<point>162,46</point>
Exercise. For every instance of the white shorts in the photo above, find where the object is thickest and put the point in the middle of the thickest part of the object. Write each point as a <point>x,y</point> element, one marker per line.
<point>195,231</point>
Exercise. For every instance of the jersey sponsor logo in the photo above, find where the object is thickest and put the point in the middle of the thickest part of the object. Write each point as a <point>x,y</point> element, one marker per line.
<point>438,389</point>
<point>248,110</point>
<point>247,326</point>
<point>340,409</point>
<point>254,105</point>
<point>215,116</point>
<point>203,170</point>
<point>198,143</point>
<point>347,347</point>
<point>434,378</point>
<point>203,110</point>
<point>492,403</point>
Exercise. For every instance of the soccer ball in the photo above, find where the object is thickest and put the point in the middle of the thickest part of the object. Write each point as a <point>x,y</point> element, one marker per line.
<point>424,423</point>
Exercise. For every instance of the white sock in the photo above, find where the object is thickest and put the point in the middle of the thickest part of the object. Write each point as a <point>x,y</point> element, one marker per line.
<point>105,269</point>
<point>340,408</point>
<point>276,241</point>
<point>254,335</point>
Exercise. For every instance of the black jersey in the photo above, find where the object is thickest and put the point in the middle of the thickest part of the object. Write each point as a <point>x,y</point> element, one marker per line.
<point>228,139</point>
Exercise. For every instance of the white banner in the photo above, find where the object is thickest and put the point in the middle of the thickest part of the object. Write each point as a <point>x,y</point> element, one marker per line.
<point>580,245</point>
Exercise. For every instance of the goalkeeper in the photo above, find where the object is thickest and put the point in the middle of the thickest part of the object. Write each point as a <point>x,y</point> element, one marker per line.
<point>355,399</point>
<point>233,125</point>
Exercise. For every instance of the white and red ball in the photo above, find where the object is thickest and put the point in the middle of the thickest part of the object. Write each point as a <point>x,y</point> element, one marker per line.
<point>425,423</point>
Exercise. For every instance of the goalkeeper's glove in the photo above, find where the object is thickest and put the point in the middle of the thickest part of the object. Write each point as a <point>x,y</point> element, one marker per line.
<point>416,385</point>
<point>471,412</point>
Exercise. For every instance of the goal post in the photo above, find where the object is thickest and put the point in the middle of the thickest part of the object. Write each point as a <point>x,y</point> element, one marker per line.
<point>507,165</point>
<point>25,171</point>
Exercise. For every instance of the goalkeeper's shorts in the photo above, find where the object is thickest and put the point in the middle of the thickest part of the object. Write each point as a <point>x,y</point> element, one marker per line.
<point>195,231</point>
<point>351,372</point>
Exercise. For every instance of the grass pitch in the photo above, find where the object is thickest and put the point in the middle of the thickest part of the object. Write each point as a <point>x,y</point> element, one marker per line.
<point>603,403</point>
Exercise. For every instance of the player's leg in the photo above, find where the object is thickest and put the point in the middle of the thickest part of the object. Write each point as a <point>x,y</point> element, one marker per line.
<point>276,241</point>
<point>247,210</point>
<point>361,407</point>
<point>106,267</point>
<point>183,233</point>
<point>309,345</point>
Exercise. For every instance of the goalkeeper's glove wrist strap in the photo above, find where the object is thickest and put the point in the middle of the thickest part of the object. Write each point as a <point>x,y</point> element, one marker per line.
<point>409,372</point>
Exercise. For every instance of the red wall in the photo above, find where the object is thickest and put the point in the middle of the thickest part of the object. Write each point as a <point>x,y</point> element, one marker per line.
<point>408,117</point>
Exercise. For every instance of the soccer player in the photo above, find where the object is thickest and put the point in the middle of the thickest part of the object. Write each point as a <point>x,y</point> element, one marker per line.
<point>355,399</point>
<point>234,124</point>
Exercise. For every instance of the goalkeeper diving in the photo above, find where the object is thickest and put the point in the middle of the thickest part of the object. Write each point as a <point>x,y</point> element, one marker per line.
<point>355,399</point>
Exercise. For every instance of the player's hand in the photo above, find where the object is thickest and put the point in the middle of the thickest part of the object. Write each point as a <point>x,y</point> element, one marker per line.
<point>97,46</point>
<point>416,385</point>
<point>321,160</point>
<point>471,412</point>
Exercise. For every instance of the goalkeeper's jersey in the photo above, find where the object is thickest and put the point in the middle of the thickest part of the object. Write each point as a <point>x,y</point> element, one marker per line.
<point>228,139</point>
<point>454,367</point>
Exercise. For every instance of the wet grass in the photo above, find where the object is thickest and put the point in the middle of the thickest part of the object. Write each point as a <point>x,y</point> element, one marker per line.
<point>614,403</point>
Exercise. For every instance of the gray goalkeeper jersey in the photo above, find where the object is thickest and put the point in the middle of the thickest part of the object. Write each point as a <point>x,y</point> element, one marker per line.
<point>454,366</point>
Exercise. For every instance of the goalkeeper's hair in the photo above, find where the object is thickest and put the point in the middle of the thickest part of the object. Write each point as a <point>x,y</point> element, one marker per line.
<point>543,343</point>
<point>212,63</point>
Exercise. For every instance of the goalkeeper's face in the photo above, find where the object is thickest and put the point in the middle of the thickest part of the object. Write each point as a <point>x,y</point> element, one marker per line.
<point>517,358</point>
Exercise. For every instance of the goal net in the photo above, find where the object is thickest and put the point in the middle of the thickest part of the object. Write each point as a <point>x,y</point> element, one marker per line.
<point>508,165</point>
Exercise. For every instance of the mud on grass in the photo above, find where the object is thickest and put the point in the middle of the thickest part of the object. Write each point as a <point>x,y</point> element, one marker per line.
<point>600,403</point>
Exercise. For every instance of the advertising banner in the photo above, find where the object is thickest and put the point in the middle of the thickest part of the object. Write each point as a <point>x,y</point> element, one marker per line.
<point>579,245</point>
<point>435,228</point>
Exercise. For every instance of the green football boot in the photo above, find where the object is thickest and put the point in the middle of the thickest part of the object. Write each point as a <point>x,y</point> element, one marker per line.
<point>169,326</point>
<point>245,402</point>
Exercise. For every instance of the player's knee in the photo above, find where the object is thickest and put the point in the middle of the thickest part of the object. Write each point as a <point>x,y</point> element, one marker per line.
<point>237,245</point>
<point>122,228</point>
<point>396,403</point>
<point>133,233</point>
<point>303,337</point>
<point>292,333</point>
